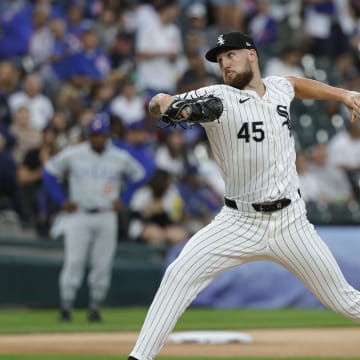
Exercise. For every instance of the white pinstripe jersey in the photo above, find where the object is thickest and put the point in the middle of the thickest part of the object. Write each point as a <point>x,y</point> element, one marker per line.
<point>252,143</point>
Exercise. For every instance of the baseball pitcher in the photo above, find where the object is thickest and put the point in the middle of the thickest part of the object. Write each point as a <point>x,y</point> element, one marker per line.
<point>247,121</point>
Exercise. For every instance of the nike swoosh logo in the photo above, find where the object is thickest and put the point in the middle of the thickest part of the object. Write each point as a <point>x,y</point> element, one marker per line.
<point>176,104</point>
<point>241,101</point>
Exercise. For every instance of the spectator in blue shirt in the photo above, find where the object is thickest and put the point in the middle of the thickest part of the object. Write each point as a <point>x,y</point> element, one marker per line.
<point>137,141</point>
<point>64,45</point>
<point>16,24</point>
<point>86,66</point>
<point>201,201</point>
<point>75,16</point>
<point>16,29</point>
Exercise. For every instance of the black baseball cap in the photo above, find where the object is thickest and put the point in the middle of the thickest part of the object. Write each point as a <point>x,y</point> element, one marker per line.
<point>228,41</point>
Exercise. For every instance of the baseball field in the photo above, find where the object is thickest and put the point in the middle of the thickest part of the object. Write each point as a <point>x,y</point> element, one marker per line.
<point>276,334</point>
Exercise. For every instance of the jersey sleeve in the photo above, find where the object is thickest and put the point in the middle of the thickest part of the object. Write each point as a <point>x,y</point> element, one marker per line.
<point>59,164</point>
<point>213,90</point>
<point>283,85</point>
<point>133,169</point>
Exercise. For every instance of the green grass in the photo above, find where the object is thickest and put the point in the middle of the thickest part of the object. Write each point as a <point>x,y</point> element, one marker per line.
<point>109,357</point>
<point>130,319</point>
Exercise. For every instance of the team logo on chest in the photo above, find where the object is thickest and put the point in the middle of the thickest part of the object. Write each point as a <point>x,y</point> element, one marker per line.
<point>282,111</point>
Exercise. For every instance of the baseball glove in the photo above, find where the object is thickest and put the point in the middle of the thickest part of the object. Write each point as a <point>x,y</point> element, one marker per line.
<point>196,110</point>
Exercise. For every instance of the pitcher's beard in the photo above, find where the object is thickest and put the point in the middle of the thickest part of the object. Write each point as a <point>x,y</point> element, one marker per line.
<point>239,81</point>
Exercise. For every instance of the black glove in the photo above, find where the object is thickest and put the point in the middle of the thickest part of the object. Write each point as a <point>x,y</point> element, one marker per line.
<point>196,110</point>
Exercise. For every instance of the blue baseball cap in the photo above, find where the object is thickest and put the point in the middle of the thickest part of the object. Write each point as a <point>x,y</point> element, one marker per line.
<point>136,125</point>
<point>99,124</point>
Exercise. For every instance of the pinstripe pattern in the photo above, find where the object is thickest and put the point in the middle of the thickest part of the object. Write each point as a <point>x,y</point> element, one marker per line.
<point>253,171</point>
<point>234,238</point>
<point>301,250</point>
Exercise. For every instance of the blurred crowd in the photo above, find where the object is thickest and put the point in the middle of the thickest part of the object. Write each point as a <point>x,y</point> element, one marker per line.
<point>63,61</point>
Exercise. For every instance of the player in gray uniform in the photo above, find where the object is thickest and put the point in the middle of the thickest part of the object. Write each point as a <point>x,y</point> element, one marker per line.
<point>95,170</point>
<point>264,217</point>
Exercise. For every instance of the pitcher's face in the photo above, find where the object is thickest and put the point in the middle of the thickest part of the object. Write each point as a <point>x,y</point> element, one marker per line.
<point>235,67</point>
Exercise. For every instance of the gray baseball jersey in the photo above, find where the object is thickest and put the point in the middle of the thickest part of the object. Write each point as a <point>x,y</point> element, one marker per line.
<point>253,146</point>
<point>94,179</point>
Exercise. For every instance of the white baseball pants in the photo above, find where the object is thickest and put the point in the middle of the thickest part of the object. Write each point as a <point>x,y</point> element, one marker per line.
<point>233,238</point>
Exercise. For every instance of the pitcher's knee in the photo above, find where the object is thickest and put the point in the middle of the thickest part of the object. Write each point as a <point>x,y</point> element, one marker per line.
<point>173,274</point>
<point>177,273</point>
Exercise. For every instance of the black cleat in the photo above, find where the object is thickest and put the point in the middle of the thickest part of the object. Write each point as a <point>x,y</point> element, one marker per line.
<point>94,316</point>
<point>131,358</point>
<point>65,315</point>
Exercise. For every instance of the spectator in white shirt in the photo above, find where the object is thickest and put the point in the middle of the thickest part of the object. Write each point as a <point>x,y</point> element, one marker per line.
<point>344,148</point>
<point>344,153</point>
<point>310,187</point>
<point>40,106</point>
<point>334,184</point>
<point>128,106</point>
<point>158,48</point>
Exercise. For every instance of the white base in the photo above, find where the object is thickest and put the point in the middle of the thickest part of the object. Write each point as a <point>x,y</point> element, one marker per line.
<point>209,337</point>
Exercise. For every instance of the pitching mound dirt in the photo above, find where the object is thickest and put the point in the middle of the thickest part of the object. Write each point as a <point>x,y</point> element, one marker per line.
<point>276,343</point>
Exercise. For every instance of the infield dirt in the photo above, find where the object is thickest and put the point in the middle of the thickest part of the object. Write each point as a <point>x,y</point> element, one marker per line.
<point>323,342</point>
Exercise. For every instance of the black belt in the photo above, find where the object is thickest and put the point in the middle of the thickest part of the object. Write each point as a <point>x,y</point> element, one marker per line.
<point>262,207</point>
<point>94,210</point>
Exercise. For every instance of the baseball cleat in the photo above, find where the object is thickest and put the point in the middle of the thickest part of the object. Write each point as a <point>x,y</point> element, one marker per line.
<point>94,316</point>
<point>65,315</point>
